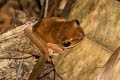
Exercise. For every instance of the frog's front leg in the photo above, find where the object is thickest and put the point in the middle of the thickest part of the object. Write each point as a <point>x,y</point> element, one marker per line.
<point>55,47</point>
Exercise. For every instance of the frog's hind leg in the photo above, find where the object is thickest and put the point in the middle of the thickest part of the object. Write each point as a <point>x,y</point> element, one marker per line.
<point>38,42</point>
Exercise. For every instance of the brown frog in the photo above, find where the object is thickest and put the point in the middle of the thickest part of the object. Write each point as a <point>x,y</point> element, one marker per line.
<point>56,34</point>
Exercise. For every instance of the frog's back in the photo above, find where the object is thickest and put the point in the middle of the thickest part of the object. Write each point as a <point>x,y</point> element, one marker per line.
<point>49,29</point>
<point>58,30</point>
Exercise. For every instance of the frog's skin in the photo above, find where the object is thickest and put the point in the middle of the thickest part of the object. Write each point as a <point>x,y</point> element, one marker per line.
<point>59,33</point>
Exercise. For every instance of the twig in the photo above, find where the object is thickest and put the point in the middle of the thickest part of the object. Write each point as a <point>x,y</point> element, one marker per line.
<point>19,69</point>
<point>46,8</point>
<point>38,68</point>
<point>47,72</point>
<point>25,56</point>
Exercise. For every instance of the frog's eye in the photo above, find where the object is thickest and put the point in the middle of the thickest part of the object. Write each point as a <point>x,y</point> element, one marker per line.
<point>67,44</point>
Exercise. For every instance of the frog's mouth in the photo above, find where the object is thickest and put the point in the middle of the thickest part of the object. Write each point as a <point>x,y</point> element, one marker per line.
<point>70,44</point>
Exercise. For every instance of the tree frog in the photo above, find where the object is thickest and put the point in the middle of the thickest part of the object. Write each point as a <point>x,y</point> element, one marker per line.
<point>57,34</point>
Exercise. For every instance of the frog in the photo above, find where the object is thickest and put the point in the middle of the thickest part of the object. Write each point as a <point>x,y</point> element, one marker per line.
<point>57,34</point>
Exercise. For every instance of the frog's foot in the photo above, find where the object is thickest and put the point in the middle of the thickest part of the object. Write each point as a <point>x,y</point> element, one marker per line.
<point>51,52</point>
<point>55,47</point>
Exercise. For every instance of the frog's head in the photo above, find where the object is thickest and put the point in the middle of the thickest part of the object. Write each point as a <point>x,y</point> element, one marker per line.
<point>72,34</point>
